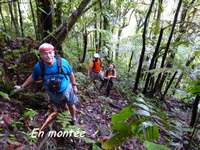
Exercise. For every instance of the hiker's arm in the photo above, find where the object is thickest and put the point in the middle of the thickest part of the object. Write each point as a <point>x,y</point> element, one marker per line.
<point>73,82</point>
<point>72,79</point>
<point>18,88</point>
<point>28,82</point>
<point>115,74</point>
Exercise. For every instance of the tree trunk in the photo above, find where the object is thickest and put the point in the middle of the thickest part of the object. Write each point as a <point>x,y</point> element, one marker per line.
<point>85,37</point>
<point>12,18</point>
<point>181,75</point>
<point>159,9</point>
<point>105,27</point>
<point>159,81</point>
<point>16,16</point>
<point>34,21</point>
<point>58,18</point>
<point>129,65</point>
<point>45,17</point>
<point>58,13</point>
<point>118,42</point>
<point>4,25</point>
<point>100,35</point>
<point>57,37</point>
<point>182,31</point>
<point>194,110</point>
<point>168,86</point>
<point>101,26</point>
<point>95,33</point>
<point>20,18</point>
<point>155,54</point>
<point>143,47</point>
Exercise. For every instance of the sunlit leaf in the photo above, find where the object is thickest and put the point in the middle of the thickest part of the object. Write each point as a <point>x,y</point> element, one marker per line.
<point>4,95</point>
<point>153,146</point>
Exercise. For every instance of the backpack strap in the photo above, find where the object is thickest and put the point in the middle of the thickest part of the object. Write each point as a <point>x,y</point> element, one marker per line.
<point>59,64</point>
<point>42,68</point>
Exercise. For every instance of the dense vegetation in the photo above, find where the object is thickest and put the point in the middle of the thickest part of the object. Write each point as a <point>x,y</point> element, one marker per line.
<point>154,44</point>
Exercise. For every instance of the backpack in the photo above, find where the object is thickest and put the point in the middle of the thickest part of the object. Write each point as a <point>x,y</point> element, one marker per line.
<point>53,83</point>
<point>97,65</point>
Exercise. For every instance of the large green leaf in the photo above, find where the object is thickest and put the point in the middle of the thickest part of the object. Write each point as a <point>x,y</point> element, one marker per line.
<point>148,131</point>
<point>122,116</point>
<point>117,139</point>
<point>194,87</point>
<point>153,146</point>
<point>29,113</point>
<point>4,95</point>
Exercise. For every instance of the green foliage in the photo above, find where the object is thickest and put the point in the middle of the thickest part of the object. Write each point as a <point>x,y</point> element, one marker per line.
<point>4,95</point>
<point>126,124</point>
<point>121,117</point>
<point>64,119</point>
<point>6,86</point>
<point>29,113</point>
<point>81,79</point>
<point>17,124</point>
<point>194,87</point>
<point>153,146</point>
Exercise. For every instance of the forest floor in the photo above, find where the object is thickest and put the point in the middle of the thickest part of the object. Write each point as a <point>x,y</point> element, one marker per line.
<point>94,117</point>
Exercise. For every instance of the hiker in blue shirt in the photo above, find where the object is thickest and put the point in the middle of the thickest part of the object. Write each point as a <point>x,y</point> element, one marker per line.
<point>58,80</point>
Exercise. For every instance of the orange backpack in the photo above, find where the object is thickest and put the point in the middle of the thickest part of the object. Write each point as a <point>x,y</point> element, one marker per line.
<point>96,66</point>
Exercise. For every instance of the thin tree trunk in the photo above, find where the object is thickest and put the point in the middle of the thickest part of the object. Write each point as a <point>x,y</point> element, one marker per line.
<point>58,16</point>
<point>4,25</point>
<point>12,17</point>
<point>159,84</point>
<point>85,37</point>
<point>16,16</point>
<point>168,86</point>
<point>159,9</point>
<point>101,26</point>
<point>181,75</point>
<point>194,110</point>
<point>58,13</point>
<point>46,17</point>
<point>143,47</point>
<point>182,30</point>
<point>100,35</point>
<point>95,33</point>
<point>20,18</point>
<point>129,65</point>
<point>105,27</point>
<point>118,42</point>
<point>155,54</point>
<point>34,21</point>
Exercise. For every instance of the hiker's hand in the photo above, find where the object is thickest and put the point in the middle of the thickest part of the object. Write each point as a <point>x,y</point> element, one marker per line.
<point>17,88</point>
<point>75,89</point>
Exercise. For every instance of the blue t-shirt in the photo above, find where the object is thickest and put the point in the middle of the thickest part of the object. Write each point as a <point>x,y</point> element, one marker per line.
<point>52,71</point>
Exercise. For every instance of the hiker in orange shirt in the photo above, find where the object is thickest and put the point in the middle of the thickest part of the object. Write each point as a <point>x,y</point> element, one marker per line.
<point>95,68</point>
